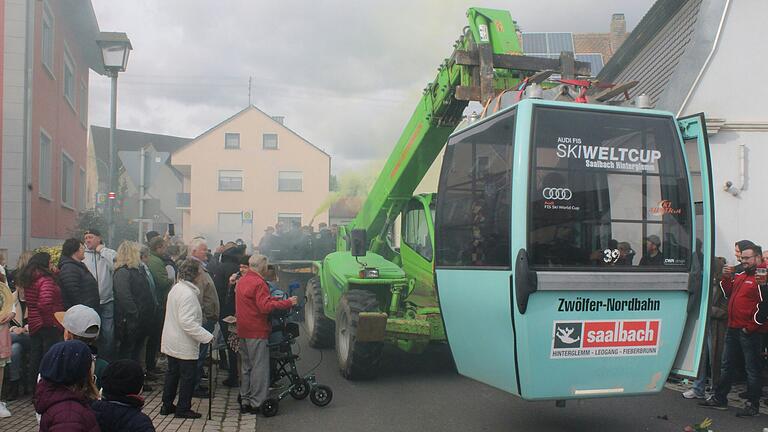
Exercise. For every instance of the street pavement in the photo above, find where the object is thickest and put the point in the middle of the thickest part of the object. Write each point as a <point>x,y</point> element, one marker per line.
<point>424,394</point>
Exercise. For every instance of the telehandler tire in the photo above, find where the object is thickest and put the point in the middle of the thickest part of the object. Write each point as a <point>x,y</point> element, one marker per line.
<point>319,326</point>
<point>357,360</point>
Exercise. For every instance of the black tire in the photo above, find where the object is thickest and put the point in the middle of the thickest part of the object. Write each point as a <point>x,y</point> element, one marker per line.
<point>357,360</point>
<point>300,389</point>
<point>321,395</point>
<point>319,326</point>
<point>270,407</point>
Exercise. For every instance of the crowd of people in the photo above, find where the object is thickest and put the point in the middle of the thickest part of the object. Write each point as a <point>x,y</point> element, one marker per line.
<point>290,241</point>
<point>85,335</point>
<point>737,331</point>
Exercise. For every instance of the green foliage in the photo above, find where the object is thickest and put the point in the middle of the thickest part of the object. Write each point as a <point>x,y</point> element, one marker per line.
<point>93,219</point>
<point>89,219</point>
<point>53,251</point>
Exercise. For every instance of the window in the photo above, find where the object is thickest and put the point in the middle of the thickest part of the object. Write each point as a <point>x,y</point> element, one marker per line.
<point>416,231</point>
<point>230,180</point>
<point>83,105</point>
<point>269,141</point>
<point>231,140</point>
<point>608,190</point>
<point>67,180</point>
<point>46,52</point>
<point>69,79</point>
<point>81,191</point>
<point>45,166</point>
<point>289,220</point>
<point>290,181</point>
<point>475,197</point>
<point>230,222</point>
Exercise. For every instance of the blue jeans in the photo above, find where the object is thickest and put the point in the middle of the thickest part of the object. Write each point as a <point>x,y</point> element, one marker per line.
<point>208,325</point>
<point>699,386</point>
<point>750,345</point>
<point>107,331</point>
<point>19,345</point>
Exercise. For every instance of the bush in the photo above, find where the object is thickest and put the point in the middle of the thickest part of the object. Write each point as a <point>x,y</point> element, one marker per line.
<point>53,251</point>
<point>92,219</point>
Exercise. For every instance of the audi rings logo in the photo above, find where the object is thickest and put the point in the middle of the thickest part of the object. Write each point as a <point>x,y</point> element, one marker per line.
<point>557,193</point>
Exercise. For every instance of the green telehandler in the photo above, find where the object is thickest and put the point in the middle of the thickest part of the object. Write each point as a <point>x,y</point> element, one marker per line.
<point>368,293</point>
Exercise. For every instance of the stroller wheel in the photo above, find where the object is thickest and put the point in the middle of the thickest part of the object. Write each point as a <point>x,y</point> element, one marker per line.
<point>270,407</point>
<point>321,395</point>
<point>300,389</point>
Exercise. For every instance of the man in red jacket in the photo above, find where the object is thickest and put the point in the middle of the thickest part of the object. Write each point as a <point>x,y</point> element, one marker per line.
<point>252,308</point>
<point>744,333</point>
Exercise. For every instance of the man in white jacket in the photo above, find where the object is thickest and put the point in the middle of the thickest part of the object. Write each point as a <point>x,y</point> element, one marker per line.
<point>183,333</point>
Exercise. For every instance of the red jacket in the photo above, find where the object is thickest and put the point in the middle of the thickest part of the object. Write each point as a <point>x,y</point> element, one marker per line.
<point>744,297</point>
<point>253,305</point>
<point>43,300</point>
<point>62,410</point>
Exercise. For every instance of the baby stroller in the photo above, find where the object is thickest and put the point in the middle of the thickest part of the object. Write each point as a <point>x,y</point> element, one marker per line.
<point>283,365</point>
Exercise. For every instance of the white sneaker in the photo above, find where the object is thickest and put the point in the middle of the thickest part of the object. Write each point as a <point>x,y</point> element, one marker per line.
<point>4,410</point>
<point>691,394</point>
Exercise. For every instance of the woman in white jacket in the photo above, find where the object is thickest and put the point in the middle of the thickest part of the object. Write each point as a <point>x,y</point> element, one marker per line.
<point>183,333</point>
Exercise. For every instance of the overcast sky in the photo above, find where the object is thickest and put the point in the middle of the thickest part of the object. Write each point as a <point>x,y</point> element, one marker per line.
<point>345,74</point>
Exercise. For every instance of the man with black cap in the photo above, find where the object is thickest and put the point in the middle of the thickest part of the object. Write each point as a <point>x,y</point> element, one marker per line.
<point>100,261</point>
<point>652,255</point>
<point>119,409</point>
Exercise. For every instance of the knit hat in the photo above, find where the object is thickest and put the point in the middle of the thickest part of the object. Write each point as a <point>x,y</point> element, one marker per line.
<point>122,378</point>
<point>150,235</point>
<point>66,362</point>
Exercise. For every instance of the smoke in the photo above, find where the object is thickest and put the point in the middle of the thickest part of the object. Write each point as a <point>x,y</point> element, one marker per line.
<point>354,186</point>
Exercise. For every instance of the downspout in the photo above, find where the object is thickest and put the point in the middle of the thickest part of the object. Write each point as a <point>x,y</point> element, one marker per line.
<point>142,159</point>
<point>706,62</point>
<point>27,135</point>
<point>729,187</point>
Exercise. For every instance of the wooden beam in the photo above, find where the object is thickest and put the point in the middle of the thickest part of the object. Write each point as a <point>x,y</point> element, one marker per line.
<point>468,93</point>
<point>520,62</point>
<point>610,93</point>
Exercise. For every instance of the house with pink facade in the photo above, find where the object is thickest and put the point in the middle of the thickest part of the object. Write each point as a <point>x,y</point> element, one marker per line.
<point>249,172</point>
<point>48,49</point>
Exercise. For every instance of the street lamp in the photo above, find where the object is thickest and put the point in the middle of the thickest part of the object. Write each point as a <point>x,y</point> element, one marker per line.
<point>115,48</point>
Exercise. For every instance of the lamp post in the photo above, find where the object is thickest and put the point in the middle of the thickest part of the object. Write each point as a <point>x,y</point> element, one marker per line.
<point>115,48</point>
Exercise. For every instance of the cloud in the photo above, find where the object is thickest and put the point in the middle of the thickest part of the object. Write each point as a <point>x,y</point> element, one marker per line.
<point>347,75</point>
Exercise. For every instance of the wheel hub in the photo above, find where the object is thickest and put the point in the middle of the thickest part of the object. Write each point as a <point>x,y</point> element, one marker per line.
<point>344,335</point>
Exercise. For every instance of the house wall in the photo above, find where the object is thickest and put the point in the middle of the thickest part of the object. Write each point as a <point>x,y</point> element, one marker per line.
<point>206,155</point>
<point>164,187</point>
<point>727,96</point>
<point>51,218</point>
<point>2,46</point>
<point>12,175</point>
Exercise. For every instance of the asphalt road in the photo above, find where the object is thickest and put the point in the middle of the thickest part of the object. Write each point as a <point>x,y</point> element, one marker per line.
<point>424,394</point>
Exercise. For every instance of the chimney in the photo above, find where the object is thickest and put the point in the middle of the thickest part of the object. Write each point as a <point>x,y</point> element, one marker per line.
<point>618,31</point>
<point>279,119</point>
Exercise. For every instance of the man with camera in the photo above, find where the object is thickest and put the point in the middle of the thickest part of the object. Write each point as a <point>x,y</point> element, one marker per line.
<point>741,284</point>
